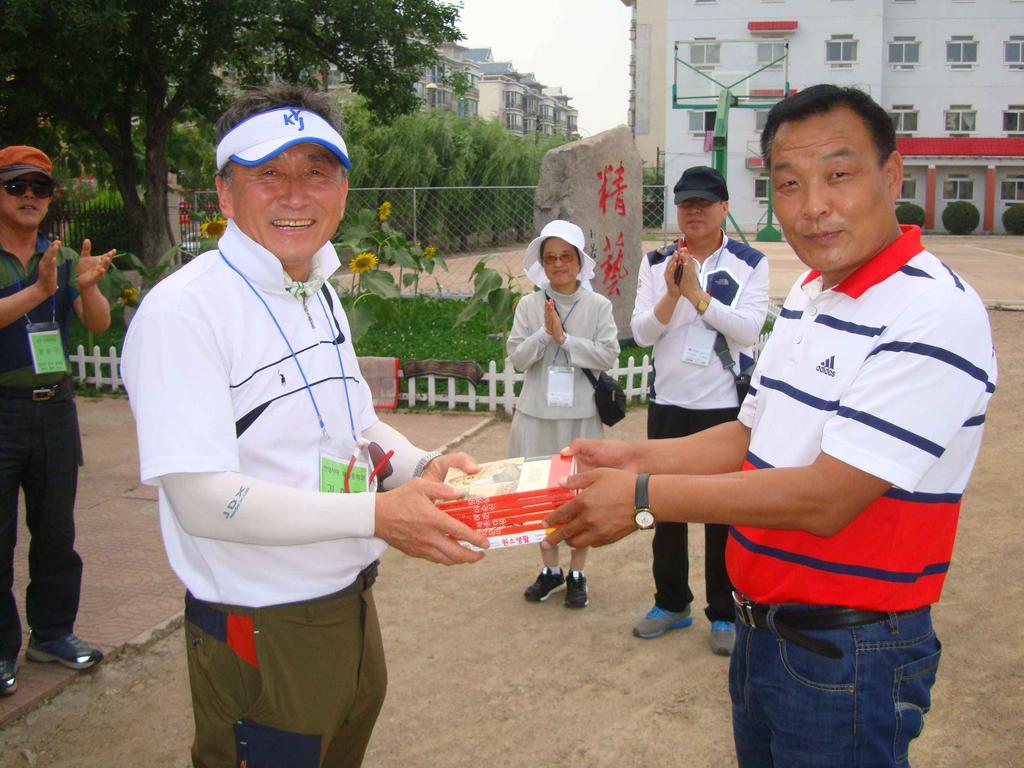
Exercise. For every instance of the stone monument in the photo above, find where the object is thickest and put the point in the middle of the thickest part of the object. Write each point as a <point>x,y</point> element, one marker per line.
<point>597,183</point>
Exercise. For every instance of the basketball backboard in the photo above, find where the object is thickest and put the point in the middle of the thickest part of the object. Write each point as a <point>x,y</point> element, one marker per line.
<point>755,72</point>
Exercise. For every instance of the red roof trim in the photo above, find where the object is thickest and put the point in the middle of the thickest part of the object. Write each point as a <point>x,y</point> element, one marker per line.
<point>961,147</point>
<point>771,26</point>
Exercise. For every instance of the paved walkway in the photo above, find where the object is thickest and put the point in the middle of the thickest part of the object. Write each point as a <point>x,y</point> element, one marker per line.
<point>129,593</point>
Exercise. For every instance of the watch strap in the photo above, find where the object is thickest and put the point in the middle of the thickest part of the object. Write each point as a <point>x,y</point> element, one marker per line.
<point>640,500</point>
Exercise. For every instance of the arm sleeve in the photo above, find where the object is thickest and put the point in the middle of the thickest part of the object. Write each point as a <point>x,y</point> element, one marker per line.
<point>742,324</point>
<point>526,347</point>
<point>600,352</point>
<point>233,507</point>
<point>646,328</point>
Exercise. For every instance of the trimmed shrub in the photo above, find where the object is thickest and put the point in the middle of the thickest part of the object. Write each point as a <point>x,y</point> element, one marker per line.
<point>1013,219</point>
<point>909,213</point>
<point>961,218</point>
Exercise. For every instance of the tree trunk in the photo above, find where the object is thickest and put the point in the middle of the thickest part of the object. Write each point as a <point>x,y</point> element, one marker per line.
<point>156,231</point>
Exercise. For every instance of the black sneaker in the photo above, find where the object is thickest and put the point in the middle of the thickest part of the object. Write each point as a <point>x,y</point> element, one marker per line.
<point>546,583</point>
<point>8,676</point>
<point>70,650</point>
<point>576,590</point>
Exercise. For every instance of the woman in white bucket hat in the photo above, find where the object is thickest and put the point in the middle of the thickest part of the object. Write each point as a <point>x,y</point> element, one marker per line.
<point>560,329</point>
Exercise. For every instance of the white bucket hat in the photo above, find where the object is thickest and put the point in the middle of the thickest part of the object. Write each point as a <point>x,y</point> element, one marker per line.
<point>533,265</point>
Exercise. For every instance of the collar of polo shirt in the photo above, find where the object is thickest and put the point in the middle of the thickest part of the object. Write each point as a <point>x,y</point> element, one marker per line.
<point>261,137</point>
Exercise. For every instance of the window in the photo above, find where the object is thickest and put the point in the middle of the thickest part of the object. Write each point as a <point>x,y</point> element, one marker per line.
<point>761,189</point>
<point>960,118</point>
<point>701,122</point>
<point>513,121</point>
<point>904,118</point>
<point>909,190</point>
<point>904,52</point>
<point>1013,119</point>
<point>1013,52</point>
<point>769,52</point>
<point>962,52</point>
<point>705,55</point>
<point>1012,189</point>
<point>958,186</point>
<point>468,107</point>
<point>513,100</point>
<point>841,51</point>
<point>760,119</point>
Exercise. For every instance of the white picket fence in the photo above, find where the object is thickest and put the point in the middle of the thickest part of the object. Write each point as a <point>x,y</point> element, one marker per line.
<point>497,389</point>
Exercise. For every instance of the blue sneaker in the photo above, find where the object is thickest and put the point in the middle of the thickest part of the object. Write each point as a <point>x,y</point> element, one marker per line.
<point>723,637</point>
<point>8,676</point>
<point>658,621</point>
<point>70,650</point>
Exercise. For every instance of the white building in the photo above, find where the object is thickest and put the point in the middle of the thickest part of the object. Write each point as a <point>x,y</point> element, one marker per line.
<point>469,82</point>
<point>951,73</point>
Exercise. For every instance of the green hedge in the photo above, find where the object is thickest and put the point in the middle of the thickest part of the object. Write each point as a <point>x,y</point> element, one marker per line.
<point>961,218</point>
<point>1013,219</point>
<point>909,213</point>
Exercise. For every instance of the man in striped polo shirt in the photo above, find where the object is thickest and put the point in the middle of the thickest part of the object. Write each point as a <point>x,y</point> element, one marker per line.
<point>843,477</point>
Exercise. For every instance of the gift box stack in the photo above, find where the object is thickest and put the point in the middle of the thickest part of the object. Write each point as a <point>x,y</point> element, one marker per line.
<point>507,500</point>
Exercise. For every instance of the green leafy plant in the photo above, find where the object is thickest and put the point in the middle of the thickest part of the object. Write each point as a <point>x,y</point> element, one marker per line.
<point>961,218</point>
<point>372,247</point>
<point>492,294</point>
<point>909,213</point>
<point>1013,219</point>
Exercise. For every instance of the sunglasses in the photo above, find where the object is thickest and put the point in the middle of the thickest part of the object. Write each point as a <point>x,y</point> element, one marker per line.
<point>18,187</point>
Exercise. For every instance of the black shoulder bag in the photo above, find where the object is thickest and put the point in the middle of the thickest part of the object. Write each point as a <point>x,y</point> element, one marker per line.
<point>743,377</point>
<point>609,398</point>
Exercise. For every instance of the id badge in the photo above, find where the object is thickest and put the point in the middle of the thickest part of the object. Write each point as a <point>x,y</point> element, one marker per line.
<point>561,385</point>
<point>336,463</point>
<point>47,348</point>
<point>700,343</point>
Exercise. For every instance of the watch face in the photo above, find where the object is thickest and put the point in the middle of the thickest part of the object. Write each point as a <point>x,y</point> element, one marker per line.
<point>644,518</point>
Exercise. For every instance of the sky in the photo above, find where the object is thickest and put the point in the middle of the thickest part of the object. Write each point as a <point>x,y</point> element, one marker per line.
<point>580,45</point>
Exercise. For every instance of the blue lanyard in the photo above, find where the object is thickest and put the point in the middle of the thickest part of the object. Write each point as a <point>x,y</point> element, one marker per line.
<point>562,320</point>
<point>53,304</point>
<point>309,389</point>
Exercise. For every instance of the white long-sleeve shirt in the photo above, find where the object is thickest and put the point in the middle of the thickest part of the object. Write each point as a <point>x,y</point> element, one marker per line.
<point>736,276</point>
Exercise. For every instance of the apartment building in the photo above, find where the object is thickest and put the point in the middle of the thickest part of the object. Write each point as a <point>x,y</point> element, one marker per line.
<point>469,82</point>
<point>950,73</point>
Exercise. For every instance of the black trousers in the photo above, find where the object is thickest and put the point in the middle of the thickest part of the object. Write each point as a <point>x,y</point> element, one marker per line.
<point>40,450</point>
<point>671,555</point>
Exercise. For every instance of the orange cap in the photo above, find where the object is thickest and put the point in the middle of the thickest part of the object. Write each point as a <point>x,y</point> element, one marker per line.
<point>19,160</point>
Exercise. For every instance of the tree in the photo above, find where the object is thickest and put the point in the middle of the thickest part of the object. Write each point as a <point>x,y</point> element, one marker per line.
<point>114,77</point>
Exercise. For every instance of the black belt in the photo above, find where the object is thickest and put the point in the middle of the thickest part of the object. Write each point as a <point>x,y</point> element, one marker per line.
<point>786,623</point>
<point>58,391</point>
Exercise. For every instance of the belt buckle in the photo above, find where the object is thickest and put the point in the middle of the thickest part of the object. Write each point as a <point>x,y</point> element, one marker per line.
<point>43,393</point>
<point>744,608</point>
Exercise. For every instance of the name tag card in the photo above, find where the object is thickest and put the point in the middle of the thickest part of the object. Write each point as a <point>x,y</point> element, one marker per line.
<point>47,348</point>
<point>700,343</point>
<point>561,385</point>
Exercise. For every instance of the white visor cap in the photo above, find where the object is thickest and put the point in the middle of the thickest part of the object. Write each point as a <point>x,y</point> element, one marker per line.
<point>533,260</point>
<point>266,135</point>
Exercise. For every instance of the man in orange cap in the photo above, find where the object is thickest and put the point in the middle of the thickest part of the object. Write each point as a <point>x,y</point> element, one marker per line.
<point>40,449</point>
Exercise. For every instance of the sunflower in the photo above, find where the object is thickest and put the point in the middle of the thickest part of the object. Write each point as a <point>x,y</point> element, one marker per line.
<point>384,212</point>
<point>129,297</point>
<point>429,252</point>
<point>213,228</point>
<point>362,262</point>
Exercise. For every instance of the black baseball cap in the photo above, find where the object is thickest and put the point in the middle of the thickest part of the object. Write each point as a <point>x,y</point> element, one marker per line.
<point>703,182</point>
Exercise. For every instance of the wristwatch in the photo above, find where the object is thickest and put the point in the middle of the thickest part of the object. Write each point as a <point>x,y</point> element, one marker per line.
<point>702,305</point>
<point>642,515</point>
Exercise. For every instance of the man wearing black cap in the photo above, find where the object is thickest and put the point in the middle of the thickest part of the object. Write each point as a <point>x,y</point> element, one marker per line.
<point>40,284</point>
<point>701,302</point>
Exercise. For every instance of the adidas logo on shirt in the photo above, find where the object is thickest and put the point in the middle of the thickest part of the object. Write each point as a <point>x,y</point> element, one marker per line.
<point>827,366</point>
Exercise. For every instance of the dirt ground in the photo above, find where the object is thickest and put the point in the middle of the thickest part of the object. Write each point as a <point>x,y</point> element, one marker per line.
<point>480,677</point>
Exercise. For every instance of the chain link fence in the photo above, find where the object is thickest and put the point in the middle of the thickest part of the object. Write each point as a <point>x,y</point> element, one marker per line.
<point>453,219</point>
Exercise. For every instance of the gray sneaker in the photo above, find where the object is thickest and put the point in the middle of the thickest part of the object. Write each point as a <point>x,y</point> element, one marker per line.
<point>659,621</point>
<point>723,637</point>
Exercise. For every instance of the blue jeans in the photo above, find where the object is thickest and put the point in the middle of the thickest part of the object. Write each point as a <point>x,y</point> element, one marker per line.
<point>792,708</point>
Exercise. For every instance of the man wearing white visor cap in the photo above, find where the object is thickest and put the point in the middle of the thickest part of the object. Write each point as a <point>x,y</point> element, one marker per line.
<point>253,419</point>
